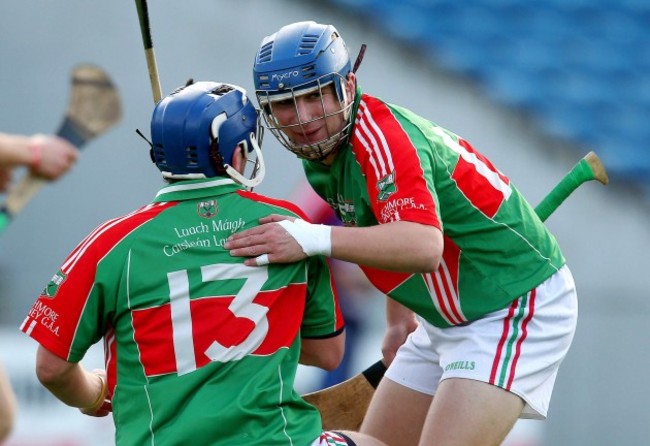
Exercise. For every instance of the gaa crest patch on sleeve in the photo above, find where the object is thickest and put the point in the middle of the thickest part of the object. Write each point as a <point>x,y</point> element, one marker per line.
<point>386,187</point>
<point>53,285</point>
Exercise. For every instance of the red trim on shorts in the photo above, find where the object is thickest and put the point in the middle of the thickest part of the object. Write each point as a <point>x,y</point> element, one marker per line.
<point>502,341</point>
<point>524,334</point>
<point>509,324</point>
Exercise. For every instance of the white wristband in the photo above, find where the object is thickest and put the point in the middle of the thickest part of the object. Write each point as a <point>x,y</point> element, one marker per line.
<point>313,239</point>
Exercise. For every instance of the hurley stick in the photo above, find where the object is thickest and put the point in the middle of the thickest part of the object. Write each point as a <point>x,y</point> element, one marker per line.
<point>587,169</point>
<point>94,108</point>
<point>344,405</point>
<point>143,15</point>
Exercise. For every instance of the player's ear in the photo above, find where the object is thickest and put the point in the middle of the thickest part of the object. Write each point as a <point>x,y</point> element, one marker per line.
<point>351,84</point>
<point>239,159</point>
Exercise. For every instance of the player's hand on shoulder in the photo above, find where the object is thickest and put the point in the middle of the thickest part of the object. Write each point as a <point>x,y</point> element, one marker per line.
<point>275,218</point>
<point>267,243</point>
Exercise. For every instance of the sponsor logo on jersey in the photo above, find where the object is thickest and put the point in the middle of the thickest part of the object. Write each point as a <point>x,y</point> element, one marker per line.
<point>53,285</point>
<point>192,236</point>
<point>207,209</point>
<point>46,316</point>
<point>230,226</point>
<point>386,187</point>
<point>390,212</point>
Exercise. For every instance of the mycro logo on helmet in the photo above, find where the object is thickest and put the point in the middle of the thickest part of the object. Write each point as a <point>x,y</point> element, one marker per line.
<point>284,76</point>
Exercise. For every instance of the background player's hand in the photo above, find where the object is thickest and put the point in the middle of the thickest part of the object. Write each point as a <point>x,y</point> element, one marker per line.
<point>54,156</point>
<point>400,322</point>
<point>267,243</point>
<point>5,179</point>
<point>394,337</point>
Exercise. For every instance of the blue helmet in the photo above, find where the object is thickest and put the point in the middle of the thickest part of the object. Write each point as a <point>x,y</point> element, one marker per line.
<point>303,58</point>
<point>196,129</point>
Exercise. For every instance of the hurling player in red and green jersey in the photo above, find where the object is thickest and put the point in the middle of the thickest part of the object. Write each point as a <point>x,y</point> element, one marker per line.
<point>435,226</point>
<point>200,348</point>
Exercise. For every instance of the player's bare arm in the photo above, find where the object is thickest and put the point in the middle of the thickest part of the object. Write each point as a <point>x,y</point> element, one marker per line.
<point>325,353</point>
<point>71,383</point>
<point>8,405</point>
<point>396,246</point>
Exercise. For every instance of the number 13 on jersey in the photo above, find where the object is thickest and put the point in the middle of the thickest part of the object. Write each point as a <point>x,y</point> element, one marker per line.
<point>188,333</point>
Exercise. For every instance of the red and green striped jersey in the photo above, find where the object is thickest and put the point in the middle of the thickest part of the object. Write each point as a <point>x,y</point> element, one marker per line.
<point>398,166</point>
<point>200,349</point>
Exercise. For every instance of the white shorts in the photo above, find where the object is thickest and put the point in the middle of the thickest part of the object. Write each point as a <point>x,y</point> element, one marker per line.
<point>333,439</point>
<point>518,348</point>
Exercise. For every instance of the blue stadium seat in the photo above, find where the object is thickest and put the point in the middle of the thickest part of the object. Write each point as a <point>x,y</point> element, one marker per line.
<point>579,66</point>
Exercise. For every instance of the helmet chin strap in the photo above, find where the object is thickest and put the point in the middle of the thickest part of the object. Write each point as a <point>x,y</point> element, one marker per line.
<point>259,171</point>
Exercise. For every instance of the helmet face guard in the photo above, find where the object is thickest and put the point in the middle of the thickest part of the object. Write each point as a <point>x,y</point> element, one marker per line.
<point>336,133</point>
<point>302,59</point>
<point>196,129</point>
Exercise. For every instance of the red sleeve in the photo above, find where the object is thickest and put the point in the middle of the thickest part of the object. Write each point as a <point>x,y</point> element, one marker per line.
<point>394,173</point>
<point>55,317</point>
